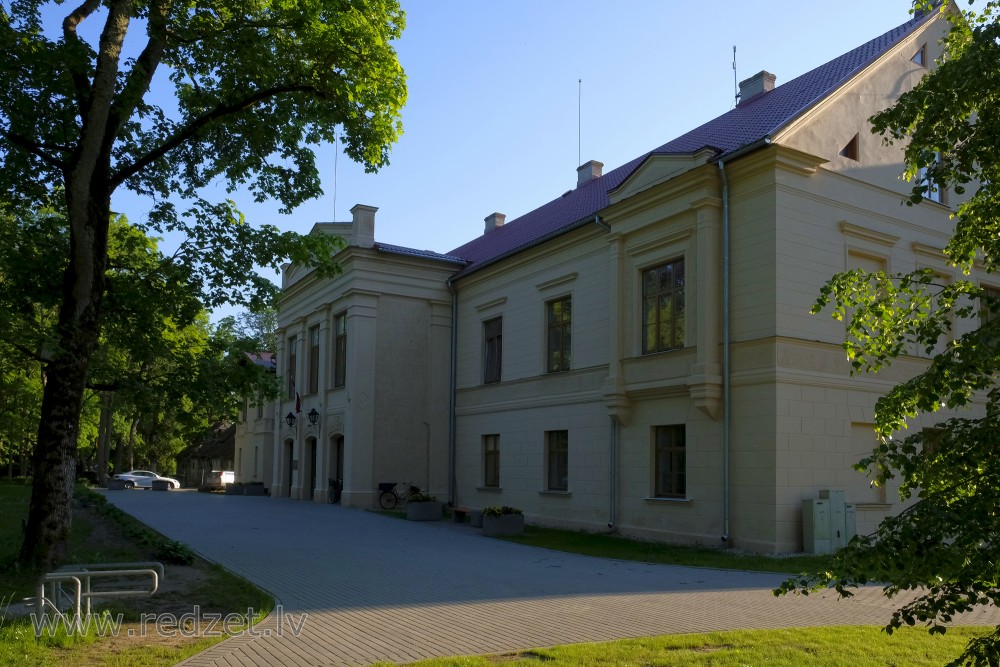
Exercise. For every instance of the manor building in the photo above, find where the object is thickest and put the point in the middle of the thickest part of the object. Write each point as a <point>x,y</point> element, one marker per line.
<point>638,353</point>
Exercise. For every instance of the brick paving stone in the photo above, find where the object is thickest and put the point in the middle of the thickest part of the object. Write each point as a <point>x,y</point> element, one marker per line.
<point>369,588</point>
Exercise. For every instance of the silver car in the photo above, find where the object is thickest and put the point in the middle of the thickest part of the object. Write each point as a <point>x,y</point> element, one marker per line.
<point>144,479</point>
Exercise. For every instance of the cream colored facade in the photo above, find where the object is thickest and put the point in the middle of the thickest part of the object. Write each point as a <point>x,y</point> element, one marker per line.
<point>819,195</point>
<point>387,421</point>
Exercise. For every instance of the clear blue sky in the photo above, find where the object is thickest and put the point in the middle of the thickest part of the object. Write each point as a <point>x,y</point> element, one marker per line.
<point>491,121</point>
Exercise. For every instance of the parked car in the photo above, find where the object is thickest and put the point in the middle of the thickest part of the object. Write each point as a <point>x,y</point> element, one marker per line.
<point>217,479</point>
<point>144,479</point>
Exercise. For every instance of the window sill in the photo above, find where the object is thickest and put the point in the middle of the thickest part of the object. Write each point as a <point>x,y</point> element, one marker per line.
<point>556,494</point>
<point>490,489</point>
<point>881,507</point>
<point>683,502</point>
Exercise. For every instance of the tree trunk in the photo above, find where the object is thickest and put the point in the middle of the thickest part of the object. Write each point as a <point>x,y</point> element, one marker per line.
<point>46,537</point>
<point>103,439</point>
<point>131,442</point>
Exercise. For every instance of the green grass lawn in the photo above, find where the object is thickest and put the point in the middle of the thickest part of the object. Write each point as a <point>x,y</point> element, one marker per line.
<point>826,647</point>
<point>102,533</point>
<point>613,546</point>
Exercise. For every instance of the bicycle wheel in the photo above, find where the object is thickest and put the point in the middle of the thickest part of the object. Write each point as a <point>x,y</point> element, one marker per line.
<point>388,500</point>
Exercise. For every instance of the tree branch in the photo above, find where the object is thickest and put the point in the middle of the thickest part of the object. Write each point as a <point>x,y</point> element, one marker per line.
<point>78,70</point>
<point>138,79</point>
<point>36,149</point>
<point>190,130</point>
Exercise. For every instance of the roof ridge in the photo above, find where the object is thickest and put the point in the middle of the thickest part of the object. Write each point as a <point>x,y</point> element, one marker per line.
<point>747,123</point>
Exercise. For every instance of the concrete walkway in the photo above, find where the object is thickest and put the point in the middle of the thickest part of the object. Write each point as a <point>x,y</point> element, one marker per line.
<point>357,587</point>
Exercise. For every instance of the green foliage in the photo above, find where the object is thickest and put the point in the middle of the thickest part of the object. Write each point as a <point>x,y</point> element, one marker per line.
<point>500,510</point>
<point>946,544</point>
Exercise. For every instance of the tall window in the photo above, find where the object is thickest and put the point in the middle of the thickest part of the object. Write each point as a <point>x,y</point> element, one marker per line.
<point>314,359</point>
<point>934,191</point>
<point>491,460</point>
<point>492,349</point>
<point>558,316</point>
<point>292,359</point>
<point>669,462</point>
<point>260,406</point>
<point>663,307</point>
<point>340,350</point>
<point>557,460</point>
<point>986,314</point>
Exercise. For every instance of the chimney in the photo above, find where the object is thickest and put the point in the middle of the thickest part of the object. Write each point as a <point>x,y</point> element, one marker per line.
<point>587,172</point>
<point>363,225</point>
<point>761,82</point>
<point>494,221</point>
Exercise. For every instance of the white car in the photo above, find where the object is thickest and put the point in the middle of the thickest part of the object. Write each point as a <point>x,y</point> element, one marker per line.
<point>144,479</point>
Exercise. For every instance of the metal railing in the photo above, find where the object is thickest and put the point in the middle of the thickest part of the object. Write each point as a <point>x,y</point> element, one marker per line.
<point>145,578</point>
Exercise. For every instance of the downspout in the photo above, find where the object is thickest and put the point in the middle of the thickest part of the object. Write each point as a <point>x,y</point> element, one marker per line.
<point>726,417</point>
<point>613,477</point>
<point>612,442</point>
<point>452,382</point>
<point>725,352</point>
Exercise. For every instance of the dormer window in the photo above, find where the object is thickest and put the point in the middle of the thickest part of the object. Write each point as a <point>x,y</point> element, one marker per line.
<point>920,57</point>
<point>850,151</point>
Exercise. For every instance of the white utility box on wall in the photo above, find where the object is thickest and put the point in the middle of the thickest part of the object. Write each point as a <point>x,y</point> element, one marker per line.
<point>828,523</point>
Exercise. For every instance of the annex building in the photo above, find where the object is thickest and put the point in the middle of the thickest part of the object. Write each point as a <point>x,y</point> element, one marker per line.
<point>636,354</point>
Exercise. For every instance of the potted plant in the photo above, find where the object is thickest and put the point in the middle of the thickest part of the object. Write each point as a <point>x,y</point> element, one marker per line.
<point>253,488</point>
<point>422,507</point>
<point>502,520</point>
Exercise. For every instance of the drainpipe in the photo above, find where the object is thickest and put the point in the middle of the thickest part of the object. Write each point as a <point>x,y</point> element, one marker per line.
<point>726,417</point>
<point>452,381</point>
<point>725,352</point>
<point>612,441</point>
<point>613,478</point>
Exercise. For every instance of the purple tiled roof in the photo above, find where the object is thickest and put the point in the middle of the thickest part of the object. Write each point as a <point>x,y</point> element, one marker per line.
<point>411,252</point>
<point>751,121</point>
<point>265,359</point>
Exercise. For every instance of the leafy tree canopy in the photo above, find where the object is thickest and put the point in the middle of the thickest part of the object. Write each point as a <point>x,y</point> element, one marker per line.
<point>945,546</point>
<point>165,98</point>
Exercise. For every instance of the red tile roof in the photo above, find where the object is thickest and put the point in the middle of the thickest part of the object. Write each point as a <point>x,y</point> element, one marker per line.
<point>749,122</point>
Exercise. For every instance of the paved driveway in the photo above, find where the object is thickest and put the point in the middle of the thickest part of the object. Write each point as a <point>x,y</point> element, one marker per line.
<point>364,587</point>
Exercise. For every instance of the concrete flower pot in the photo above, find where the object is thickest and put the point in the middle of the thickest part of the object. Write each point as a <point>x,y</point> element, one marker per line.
<point>161,485</point>
<point>505,524</point>
<point>430,511</point>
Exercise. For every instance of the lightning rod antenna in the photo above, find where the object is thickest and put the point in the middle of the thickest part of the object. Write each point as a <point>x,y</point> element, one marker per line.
<point>579,117</point>
<point>336,157</point>
<point>736,86</point>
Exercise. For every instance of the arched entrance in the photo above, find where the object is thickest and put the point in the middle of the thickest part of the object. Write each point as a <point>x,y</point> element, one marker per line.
<point>335,462</point>
<point>286,468</point>
<point>309,470</point>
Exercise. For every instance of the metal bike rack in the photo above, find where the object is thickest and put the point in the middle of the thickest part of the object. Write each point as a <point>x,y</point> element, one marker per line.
<point>52,596</point>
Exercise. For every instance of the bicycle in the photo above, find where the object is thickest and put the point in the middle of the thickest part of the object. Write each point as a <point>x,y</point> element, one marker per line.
<point>390,498</point>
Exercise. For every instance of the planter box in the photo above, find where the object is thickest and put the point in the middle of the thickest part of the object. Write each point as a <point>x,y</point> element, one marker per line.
<point>424,511</point>
<point>234,489</point>
<point>253,490</point>
<point>507,524</point>
<point>476,518</point>
<point>116,484</point>
<point>160,485</point>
